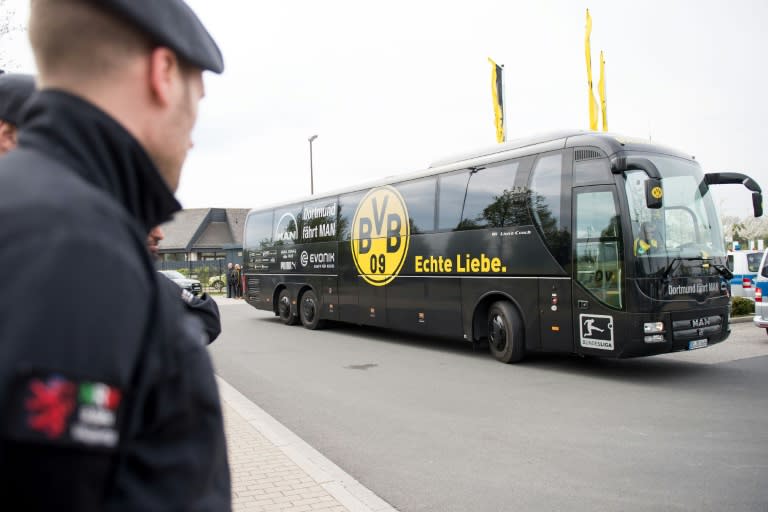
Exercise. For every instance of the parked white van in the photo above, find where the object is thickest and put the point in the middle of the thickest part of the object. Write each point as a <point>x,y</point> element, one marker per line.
<point>761,294</point>
<point>744,265</point>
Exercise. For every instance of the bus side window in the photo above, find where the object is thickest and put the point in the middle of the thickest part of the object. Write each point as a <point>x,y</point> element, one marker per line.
<point>550,207</point>
<point>492,198</point>
<point>317,222</point>
<point>347,207</point>
<point>258,231</point>
<point>286,230</point>
<point>453,188</point>
<point>419,196</point>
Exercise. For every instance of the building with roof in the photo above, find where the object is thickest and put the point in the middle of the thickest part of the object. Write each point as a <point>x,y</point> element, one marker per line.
<point>204,234</point>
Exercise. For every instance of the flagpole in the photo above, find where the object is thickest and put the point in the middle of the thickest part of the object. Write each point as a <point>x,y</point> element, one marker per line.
<point>504,105</point>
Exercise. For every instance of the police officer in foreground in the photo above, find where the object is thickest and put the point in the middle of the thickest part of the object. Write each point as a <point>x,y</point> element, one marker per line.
<point>107,394</point>
<point>15,90</point>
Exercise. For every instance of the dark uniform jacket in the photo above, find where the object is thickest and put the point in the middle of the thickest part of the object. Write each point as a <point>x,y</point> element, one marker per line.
<point>107,394</point>
<point>202,307</point>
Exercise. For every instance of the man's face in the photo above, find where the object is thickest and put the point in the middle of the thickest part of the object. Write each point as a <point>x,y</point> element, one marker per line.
<point>153,241</point>
<point>7,137</point>
<point>178,125</point>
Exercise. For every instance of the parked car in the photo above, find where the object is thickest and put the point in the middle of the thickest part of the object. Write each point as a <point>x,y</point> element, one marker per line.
<point>744,265</point>
<point>218,282</point>
<point>193,285</point>
<point>761,295</point>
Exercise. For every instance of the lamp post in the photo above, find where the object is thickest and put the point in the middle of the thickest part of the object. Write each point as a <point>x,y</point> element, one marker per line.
<point>311,172</point>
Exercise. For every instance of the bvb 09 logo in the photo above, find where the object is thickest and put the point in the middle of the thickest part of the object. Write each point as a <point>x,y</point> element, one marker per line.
<point>380,234</point>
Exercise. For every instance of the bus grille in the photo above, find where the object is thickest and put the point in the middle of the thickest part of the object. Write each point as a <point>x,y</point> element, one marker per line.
<point>253,289</point>
<point>697,328</point>
<point>587,154</point>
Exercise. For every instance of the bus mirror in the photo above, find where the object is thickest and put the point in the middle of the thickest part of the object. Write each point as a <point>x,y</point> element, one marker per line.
<point>653,193</point>
<point>757,203</point>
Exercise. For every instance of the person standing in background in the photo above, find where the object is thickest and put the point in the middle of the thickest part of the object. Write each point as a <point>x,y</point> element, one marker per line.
<point>230,281</point>
<point>15,90</point>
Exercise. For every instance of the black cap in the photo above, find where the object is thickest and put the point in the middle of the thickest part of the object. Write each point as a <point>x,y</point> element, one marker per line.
<point>15,89</point>
<point>173,24</point>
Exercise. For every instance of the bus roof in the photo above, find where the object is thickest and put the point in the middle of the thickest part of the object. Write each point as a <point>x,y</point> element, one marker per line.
<point>609,143</point>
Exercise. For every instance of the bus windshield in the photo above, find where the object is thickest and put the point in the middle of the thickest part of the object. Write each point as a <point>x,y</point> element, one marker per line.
<point>687,227</point>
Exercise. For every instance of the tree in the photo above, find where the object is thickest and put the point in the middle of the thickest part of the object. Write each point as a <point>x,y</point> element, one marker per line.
<point>8,26</point>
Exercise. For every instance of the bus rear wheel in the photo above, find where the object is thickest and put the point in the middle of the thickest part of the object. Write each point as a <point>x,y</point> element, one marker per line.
<point>309,311</point>
<point>284,308</point>
<point>505,332</point>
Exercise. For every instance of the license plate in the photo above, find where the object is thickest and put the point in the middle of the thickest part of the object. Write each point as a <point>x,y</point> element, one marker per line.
<point>693,345</point>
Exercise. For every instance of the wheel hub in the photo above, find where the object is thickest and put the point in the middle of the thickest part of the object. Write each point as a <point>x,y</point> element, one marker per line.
<point>497,333</point>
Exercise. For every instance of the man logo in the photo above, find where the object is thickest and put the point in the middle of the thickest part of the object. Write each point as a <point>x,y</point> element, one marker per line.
<point>380,235</point>
<point>286,228</point>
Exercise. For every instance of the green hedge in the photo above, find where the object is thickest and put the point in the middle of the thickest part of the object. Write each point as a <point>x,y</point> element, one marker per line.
<point>742,307</point>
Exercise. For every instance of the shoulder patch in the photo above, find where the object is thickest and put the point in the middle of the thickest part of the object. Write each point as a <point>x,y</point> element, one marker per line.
<point>50,408</point>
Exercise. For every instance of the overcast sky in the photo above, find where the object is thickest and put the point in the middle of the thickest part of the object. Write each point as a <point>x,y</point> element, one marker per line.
<point>390,87</point>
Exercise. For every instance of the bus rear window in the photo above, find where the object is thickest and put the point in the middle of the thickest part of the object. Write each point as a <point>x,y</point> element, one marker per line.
<point>258,231</point>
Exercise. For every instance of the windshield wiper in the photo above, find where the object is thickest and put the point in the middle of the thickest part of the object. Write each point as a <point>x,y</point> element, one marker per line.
<point>723,271</point>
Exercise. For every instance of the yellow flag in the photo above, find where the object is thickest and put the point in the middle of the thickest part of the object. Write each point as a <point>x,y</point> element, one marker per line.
<point>601,91</point>
<point>497,92</point>
<point>592,102</point>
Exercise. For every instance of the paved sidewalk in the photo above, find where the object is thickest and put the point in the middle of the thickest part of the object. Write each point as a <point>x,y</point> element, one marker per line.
<point>275,470</point>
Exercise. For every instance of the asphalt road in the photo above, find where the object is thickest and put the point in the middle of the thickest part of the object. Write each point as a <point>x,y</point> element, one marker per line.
<point>430,425</point>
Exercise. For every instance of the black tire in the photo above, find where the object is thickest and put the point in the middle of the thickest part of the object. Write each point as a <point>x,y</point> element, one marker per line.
<point>505,332</point>
<point>218,286</point>
<point>766,330</point>
<point>309,311</point>
<point>284,310</point>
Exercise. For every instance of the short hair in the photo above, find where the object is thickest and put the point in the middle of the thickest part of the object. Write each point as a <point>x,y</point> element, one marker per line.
<point>79,38</point>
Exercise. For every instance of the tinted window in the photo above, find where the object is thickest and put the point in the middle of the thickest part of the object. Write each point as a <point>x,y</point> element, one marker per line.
<point>546,205</point>
<point>492,199</point>
<point>546,192</point>
<point>599,252</point>
<point>419,198</point>
<point>347,206</point>
<point>453,187</point>
<point>287,225</point>
<point>258,231</point>
<point>317,222</point>
<point>753,261</point>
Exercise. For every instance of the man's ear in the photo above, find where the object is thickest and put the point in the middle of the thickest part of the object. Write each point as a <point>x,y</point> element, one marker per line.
<point>163,74</point>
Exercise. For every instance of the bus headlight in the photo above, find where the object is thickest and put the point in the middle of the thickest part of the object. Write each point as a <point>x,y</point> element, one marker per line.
<point>654,338</point>
<point>653,327</point>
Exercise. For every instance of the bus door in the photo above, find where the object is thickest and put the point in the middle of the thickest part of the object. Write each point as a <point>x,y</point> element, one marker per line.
<point>598,275</point>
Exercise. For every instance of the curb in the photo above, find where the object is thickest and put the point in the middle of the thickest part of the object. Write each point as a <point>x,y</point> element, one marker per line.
<point>335,481</point>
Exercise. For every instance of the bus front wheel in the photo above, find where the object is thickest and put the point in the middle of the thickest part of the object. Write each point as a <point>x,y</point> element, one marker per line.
<point>309,311</point>
<point>284,308</point>
<point>505,333</point>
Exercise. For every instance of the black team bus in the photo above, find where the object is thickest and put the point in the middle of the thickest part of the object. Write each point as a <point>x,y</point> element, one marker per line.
<point>576,242</point>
